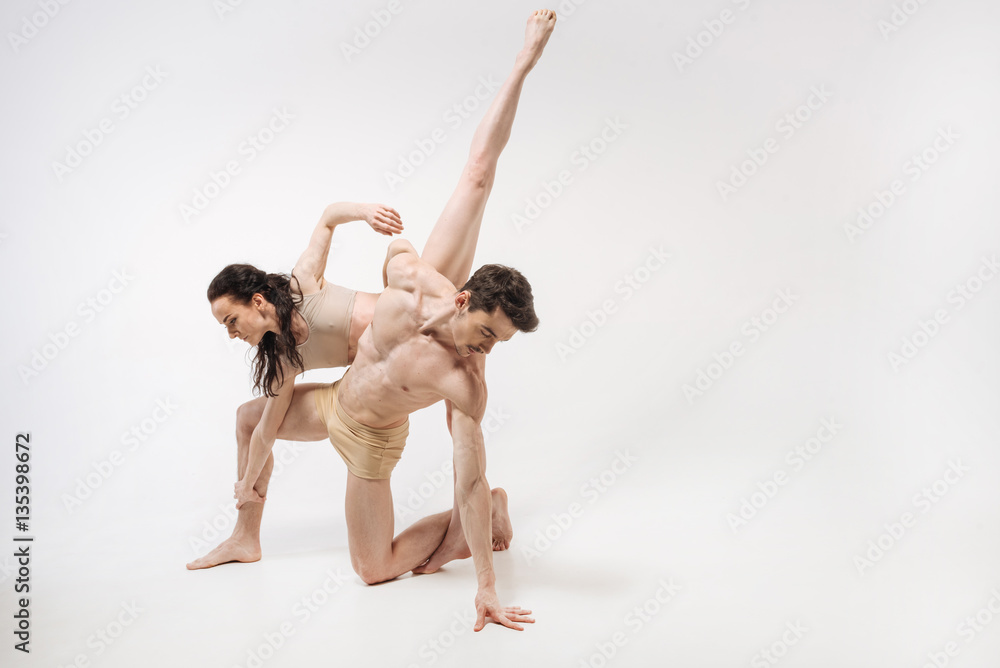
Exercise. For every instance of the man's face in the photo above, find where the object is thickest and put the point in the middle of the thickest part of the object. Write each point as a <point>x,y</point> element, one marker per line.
<point>242,321</point>
<point>478,331</point>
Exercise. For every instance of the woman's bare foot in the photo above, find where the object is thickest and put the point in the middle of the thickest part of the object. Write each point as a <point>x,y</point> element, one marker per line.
<point>536,34</point>
<point>234,548</point>
<point>454,545</point>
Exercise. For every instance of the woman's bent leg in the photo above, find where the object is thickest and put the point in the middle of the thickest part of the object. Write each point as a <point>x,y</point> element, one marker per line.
<point>301,423</point>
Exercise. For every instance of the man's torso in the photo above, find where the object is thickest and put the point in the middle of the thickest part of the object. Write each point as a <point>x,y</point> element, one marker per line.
<point>398,369</point>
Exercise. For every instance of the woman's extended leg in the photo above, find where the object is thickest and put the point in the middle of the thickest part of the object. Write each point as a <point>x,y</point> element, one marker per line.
<point>451,245</point>
<point>301,423</point>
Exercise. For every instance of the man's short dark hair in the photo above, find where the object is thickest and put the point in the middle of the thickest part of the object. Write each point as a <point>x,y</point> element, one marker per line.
<point>495,285</point>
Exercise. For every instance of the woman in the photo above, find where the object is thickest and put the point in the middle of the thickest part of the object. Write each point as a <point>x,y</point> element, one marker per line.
<point>296,323</point>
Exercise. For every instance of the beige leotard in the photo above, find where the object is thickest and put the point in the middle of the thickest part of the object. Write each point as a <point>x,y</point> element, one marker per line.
<point>328,314</point>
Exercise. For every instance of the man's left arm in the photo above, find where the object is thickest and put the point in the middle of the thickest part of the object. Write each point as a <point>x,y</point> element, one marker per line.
<point>472,496</point>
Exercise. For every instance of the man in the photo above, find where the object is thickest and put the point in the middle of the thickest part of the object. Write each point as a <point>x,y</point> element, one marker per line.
<point>427,342</point>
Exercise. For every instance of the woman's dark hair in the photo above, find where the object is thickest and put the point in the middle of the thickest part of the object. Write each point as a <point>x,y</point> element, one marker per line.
<point>240,282</point>
<point>495,285</point>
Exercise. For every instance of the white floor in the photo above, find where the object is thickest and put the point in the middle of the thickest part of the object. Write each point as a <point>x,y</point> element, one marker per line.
<point>751,430</point>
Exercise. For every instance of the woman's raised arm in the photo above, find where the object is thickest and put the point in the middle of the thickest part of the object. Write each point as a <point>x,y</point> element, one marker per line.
<point>311,266</point>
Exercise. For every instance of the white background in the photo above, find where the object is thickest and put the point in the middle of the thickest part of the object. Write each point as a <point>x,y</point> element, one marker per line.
<point>560,416</point>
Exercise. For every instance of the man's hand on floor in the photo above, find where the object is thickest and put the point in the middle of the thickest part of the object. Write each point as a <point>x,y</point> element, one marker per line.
<point>488,608</point>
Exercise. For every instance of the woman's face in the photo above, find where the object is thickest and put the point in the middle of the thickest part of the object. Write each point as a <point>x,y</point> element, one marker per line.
<point>248,322</point>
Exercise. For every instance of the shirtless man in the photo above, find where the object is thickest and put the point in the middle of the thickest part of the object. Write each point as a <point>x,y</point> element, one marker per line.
<point>423,312</point>
<point>427,342</point>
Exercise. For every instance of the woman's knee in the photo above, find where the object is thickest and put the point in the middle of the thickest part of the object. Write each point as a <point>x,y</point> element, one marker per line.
<point>248,416</point>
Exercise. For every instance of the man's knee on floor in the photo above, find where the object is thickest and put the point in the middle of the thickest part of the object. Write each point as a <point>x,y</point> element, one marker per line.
<point>369,571</point>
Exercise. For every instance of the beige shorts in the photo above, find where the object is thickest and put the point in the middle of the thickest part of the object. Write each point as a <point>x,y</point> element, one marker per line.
<point>368,452</point>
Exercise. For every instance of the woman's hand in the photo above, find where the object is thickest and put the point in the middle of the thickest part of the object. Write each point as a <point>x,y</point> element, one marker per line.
<point>245,493</point>
<point>383,219</point>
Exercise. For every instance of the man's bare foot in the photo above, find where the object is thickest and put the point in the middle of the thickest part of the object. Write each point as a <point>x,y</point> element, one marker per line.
<point>536,34</point>
<point>503,532</point>
<point>232,549</point>
<point>454,545</point>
